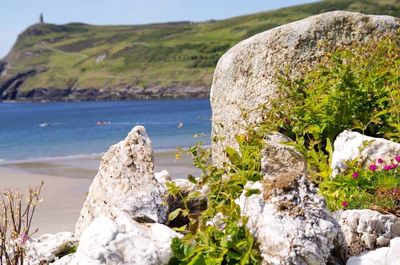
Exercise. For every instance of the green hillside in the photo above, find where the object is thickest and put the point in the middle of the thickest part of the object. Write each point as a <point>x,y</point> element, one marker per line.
<point>80,61</point>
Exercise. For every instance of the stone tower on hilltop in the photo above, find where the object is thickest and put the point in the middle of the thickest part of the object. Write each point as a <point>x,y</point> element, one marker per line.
<point>41,19</point>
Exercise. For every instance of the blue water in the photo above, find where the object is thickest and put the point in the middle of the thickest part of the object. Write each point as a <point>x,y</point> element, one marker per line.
<point>73,130</point>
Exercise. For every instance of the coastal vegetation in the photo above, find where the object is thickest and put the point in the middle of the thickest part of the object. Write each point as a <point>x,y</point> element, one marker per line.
<point>181,54</point>
<point>356,89</point>
<point>219,234</point>
<point>353,88</point>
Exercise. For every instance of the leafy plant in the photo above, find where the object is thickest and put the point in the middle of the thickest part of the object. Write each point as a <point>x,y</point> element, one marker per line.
<point>219,235</point>
<point>354,87</point>
<point>16,214</point>
<point>376,187</point>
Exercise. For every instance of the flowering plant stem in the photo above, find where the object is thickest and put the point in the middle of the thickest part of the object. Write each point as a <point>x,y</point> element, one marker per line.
<point>15,224</point>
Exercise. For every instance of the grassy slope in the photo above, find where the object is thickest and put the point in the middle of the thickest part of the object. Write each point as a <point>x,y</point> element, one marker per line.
<point>150,55</point>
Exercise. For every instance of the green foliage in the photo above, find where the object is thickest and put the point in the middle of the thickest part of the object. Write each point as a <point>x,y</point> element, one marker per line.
<point>222,240</point>
<point>353,88</point>
<point>362,188</point>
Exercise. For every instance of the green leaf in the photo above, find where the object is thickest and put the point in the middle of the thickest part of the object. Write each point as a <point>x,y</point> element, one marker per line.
<point>233,155</point>
<point>174,214</point>
<point>198,260</point>
<point>250,192</point>
<point>192,179</point>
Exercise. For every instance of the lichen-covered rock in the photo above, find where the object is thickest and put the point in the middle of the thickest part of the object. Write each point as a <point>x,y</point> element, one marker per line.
<point>278,157</point>
<point>246,75</point>
<point>48,247</point>
<point>123,241</point>
<point>367,229</point>
<point>290,222</point>
<point>125,183</point>
<point>381,256</point>
<point>352,145</point>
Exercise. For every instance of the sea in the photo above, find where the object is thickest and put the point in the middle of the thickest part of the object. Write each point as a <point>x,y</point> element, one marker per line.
<point>34,131</point>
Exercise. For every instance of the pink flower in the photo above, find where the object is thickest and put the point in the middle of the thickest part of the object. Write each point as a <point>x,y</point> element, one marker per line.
<point>355,175</point>
<point>345,204</point>
<point>397,158</point>
<point>387,167</point>
<point>373,167</point>
<point>23,238</point>
<point>380,160</point>
<point>393,166</point>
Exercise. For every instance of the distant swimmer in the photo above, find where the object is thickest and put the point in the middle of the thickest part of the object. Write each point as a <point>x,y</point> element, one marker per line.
<point>103,123</point>
<point>44,124</point>
<point>180,125</point>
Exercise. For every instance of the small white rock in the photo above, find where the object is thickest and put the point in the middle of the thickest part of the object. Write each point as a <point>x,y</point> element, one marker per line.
<point>123,241</point>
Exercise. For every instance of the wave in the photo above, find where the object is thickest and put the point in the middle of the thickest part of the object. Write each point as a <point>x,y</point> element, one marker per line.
<point>91,156</point>
<point>52,158</point>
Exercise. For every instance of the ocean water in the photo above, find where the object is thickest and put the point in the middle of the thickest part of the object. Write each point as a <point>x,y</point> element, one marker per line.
<point>30,131</point>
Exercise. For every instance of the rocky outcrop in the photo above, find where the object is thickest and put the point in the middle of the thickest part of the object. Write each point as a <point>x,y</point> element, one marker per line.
<point>367,150</point>
<point>125,184</point>
<point>123,241</point>
<point>9,88</point>
<point>3,66</point>
<point>10,91</point>
<point>290,222</point>
<point>48,248</point>
<point>366,229</point>
<point>288,218</point>
<point>382,256</point>
<point>246,76</point>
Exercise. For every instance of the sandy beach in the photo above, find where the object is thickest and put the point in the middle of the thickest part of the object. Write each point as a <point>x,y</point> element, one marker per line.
<point>66,182</point>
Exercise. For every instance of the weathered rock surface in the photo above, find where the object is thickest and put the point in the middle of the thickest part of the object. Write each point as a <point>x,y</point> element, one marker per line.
<point>162,177</point>
<point>245,77</point>
<point>352,145</point>
<point>125,183</point>
<point>48,248</point>
<point>66,260</point>
<point>123,241</point>
<point>367,229</point>
<point>288,218</point>
<point>381,256</point>
<point>290,222</point>
<point>279,158</point>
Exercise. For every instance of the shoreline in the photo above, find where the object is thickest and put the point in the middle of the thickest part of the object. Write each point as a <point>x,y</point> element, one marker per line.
<point>66,181</point>
<point>25,100</point>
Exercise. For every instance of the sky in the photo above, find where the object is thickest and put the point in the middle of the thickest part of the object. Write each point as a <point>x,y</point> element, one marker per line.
<point>17,15</point>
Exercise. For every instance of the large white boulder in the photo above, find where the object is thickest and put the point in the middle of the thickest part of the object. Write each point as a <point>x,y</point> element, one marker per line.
<point>367,229</point>
<point>381,256</point>
<point>125,184</point>
<point>123,241</point>
<point>246,75</point>
<point>353,145</point>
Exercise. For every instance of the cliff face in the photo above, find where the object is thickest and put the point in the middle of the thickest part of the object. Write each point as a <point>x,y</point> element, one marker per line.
<point>171,60</point>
